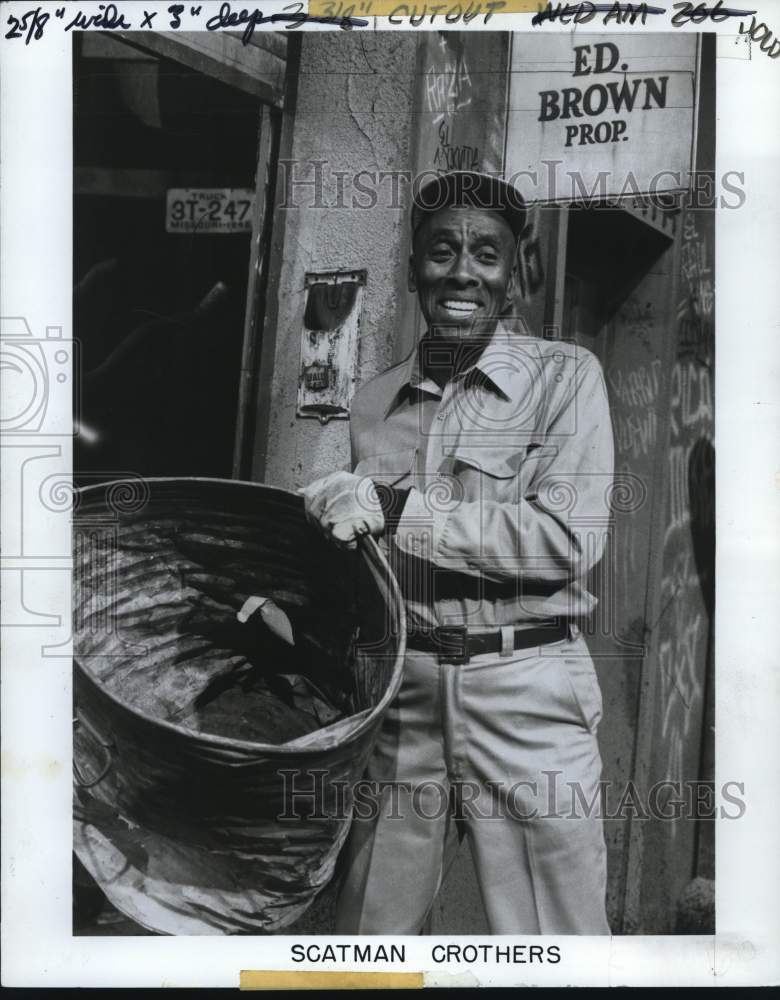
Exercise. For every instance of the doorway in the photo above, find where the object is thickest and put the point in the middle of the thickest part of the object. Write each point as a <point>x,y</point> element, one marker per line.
<point>165,165</point>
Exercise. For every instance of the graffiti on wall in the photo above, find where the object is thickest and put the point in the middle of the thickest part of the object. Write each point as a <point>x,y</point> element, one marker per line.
<point>530,265</point>
<point>447,86</point>
<point>690,423</point>
<point>448,91</point>
<point>687,592</point>
<point>680,665</point>
<point>696,305</point>
<point>637,317</point>
<point>635,424</point>
<point>452,157</point>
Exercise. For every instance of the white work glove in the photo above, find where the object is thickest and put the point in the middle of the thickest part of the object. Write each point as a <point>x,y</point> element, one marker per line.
<point>344,507</point>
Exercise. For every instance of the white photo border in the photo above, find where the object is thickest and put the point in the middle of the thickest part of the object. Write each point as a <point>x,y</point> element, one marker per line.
<point>36,284</point>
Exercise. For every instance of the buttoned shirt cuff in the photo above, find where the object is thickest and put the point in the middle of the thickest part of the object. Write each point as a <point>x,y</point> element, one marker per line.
<point>422,527</point>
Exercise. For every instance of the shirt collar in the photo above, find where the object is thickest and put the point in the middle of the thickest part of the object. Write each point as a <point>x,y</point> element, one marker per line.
<point>410,377</point>
<point>495,362</point>
<point>418,380</point>
<point>491,364</point>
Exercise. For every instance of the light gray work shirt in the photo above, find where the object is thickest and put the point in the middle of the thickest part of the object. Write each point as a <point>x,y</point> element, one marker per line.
<point>510,470</point>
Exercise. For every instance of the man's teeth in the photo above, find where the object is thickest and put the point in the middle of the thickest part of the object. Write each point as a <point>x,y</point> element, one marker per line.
<point>456,306</point>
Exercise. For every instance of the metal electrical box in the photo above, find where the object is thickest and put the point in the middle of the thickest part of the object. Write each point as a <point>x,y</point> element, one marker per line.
<point>329,343</point>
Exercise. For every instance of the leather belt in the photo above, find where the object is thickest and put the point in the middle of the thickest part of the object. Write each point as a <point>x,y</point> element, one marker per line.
<point>456,644</point>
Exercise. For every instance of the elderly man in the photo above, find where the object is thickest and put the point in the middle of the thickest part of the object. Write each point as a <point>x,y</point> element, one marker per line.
<point>483,463</point>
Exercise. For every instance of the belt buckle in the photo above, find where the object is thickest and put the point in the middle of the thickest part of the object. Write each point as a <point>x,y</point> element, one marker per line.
<point>454,640</point>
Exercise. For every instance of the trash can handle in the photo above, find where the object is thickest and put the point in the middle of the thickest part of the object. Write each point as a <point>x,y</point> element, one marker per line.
<point>78,774</point>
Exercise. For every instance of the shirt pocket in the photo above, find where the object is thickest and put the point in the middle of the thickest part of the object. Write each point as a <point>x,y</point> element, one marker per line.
<point>393,468</point>
<point>487,474</point>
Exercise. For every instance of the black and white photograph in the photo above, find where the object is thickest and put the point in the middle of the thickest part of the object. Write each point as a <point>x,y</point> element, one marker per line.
<point>338,270</point>
<point>390,571</point>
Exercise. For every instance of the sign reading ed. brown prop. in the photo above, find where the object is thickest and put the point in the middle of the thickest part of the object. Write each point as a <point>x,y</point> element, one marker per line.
<point>603,114</point>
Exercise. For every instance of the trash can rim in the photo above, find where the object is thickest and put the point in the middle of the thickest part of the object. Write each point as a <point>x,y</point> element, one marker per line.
<point>373,557</point>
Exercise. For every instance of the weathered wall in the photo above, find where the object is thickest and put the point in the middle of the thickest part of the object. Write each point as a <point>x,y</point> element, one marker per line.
<point>362,86</point>
<point>677,850</point>
<point>685,623</point>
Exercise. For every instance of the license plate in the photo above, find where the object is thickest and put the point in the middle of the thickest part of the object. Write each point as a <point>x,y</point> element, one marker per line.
<point>209,210</point>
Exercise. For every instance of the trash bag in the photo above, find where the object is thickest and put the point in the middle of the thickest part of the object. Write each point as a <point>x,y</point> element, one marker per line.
<point>215,757</point>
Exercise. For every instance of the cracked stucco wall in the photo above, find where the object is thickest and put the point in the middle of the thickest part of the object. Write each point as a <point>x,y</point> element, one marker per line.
<point>354,111</point>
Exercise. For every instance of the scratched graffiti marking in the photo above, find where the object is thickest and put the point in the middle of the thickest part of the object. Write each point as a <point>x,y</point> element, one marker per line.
<point>696,305</point>
<point>530,265</point>
<point>637,318</point>
<point>448,87</point>
<point>691,418</point>
<point>688,580</point>
<point>450,157</point>
<point>635,422</point>
<point>679,660</point>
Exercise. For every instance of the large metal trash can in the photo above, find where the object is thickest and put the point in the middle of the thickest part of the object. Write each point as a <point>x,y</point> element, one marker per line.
<point>188,832</point>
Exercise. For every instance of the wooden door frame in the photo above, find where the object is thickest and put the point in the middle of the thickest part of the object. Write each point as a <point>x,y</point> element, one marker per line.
<point>219,57</point>
<point>257,288</point>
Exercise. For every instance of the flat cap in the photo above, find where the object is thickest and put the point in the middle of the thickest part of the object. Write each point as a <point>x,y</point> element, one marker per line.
<point>469,189</point>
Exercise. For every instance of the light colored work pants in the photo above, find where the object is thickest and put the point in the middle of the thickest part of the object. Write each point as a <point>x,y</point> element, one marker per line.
<point>515,739</point>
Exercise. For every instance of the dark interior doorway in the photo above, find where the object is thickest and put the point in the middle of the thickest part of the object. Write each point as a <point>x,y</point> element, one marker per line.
<point>159,314</point>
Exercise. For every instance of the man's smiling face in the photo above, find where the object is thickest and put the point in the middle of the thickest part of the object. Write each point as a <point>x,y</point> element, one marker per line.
<point>463,270</point>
